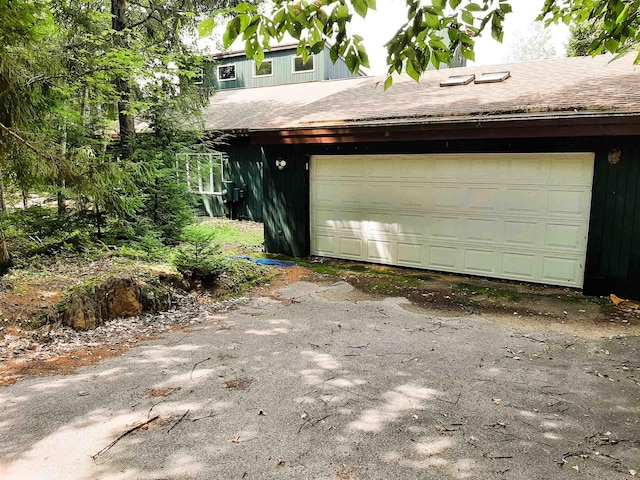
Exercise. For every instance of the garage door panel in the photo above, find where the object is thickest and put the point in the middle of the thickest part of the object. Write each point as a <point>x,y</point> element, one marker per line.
<point>522,234</point>
<point>446,168</point>
<point>443,228</point>
<point>349,224</point>
<point>347,193</point>
<point>516,216</point>
<point>517,170</point>
<point>410,196</point>
<point>443,257</point>
<point>412,169</point>
<point>519,265</point>
<point>380,223</point>
<point>484,199</point>
<point>351,247</point>
<point>381,170</point>
<point>486,231</point>
<point>523,201</point>
<point>444,197</point>
<point>324,194</point>
<point>488,170</point>
<point>564,236</point>
<point>566,202</point>
<point>410,225</point>
<point>558,269</point>
<point>324,244</point>
<point>380,251</point>
<point>378,196</point>
<point>569,169</point>
<point>480,261</point>
<point>324,219</point>
<point>410,253</point>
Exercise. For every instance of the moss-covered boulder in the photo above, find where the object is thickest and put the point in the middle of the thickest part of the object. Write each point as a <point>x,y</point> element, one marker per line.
<point>121,295</point>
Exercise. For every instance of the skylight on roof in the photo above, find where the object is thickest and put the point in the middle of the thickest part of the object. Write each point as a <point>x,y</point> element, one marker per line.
<point>457,80</point>
<point>493,77</point>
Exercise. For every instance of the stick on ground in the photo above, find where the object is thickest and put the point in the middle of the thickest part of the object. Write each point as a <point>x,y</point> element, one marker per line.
<point>131,430</point>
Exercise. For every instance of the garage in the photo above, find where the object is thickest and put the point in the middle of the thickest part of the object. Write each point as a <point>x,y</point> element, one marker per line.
<point>518,216</point>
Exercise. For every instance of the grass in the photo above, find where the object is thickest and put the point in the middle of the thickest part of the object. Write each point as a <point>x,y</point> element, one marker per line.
<point>234,234</point>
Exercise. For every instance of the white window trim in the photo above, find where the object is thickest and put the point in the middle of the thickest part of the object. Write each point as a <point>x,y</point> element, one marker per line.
<point>192,161</point>
<point>255,69</point>
<point>293,65</point>
<point>235,72</point>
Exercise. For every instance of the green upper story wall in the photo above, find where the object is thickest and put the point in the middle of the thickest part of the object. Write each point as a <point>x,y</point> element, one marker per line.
<point>279,67</point>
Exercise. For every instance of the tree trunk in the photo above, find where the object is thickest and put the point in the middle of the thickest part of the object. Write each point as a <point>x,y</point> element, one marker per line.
<point>122,84</point>
<point>62,200</point>
<point>3,206</point>
<point>99,221</point>
<point>24,197</point>
<point>5,258</point>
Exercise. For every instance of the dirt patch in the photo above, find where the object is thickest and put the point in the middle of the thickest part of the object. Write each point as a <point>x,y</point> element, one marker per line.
<point>528,306</point>
<point>163,392</point>
<point>13,370</point>
<point>238,383</point>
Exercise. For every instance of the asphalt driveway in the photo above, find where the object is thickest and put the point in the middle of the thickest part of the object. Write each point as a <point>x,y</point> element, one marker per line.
<point>324,382</point>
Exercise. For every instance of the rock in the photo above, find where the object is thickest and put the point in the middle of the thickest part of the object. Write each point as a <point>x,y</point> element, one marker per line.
<point>116,297</point>
<point>81,311</point>
<point>119,297</point>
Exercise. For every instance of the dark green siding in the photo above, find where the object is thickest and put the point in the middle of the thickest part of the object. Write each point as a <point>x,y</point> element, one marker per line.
<point>613,250</point>
<point>286,203</point>
<point>244,167</point>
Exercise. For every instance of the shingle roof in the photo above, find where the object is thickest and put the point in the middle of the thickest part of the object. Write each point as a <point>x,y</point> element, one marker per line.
<point>566,87</point>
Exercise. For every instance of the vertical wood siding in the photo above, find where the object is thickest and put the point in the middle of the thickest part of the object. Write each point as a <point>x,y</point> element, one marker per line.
<point>244,166</point>
<point>613,251</point>
<point>286,203</point>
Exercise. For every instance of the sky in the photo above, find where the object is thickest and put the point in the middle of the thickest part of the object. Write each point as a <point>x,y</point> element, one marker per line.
<point>380,25</point>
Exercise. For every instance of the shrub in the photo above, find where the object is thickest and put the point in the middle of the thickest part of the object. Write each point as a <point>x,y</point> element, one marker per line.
<point>199,260</point>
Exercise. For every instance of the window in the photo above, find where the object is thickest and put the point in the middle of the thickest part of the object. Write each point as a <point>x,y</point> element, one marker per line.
<point>300,67</point>
<point>226,73</point>
<point>264,70</point>
<point>202,172</point>
<point>199,78</point>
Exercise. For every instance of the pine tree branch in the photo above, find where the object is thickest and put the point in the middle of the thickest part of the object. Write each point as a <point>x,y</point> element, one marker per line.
<point>24,142</point>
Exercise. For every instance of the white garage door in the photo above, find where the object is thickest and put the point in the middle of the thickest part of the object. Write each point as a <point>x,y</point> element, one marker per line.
<point>515,216</point>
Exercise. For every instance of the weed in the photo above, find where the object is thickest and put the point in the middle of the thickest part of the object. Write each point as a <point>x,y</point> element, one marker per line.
<point>242,274</point>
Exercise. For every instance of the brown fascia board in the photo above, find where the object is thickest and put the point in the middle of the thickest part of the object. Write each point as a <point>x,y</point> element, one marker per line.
<point>478,128</point>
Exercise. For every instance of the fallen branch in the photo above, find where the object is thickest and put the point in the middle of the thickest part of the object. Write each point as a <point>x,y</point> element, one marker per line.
<point>131,430</point>
<point>194,367</point>
<point>179,420</point>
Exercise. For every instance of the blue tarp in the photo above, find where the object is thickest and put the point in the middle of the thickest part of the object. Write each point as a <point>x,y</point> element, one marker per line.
<point>268,261</point>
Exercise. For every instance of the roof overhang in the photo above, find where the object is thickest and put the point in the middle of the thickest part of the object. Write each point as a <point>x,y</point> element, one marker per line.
<point>461,128</point>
